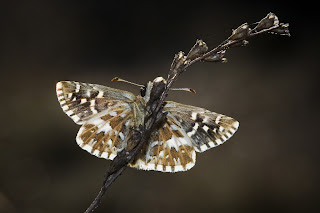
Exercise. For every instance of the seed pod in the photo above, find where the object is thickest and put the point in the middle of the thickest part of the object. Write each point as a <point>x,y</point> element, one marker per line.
<point>239,44</point>
<point>240,33</point>
<point>197,50</point>
<point>217,57</point>
<point>269,21</point>
<point>178,61</point>
<point>283,29</point>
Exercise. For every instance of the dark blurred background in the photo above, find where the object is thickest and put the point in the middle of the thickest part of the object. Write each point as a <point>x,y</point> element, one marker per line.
<point>271,86</point>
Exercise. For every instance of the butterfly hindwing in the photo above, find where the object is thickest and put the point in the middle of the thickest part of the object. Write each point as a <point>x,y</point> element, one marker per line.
<point>81,101</point>
<point>169,150</point>
<point>106,135</point>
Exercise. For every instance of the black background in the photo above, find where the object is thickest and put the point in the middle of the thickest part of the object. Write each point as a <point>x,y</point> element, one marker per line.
<point>271,86</point>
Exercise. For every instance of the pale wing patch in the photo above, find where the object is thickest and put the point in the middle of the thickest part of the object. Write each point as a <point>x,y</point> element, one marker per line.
<point>204,128</point>
<point>106,135</point>
<point>169,150</point>
<point>82,101</point>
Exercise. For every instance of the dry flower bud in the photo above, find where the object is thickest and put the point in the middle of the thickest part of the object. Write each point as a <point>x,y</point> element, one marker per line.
<point>240,33</point>
<point>217,57</point>
<point>283,29</point>
<point>239,44</point>
<point>197,50</point>
<point>179,59</point>
<point>270,20</point>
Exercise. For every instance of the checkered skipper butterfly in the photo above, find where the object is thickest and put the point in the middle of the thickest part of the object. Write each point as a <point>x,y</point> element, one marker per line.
<point>108,117</point>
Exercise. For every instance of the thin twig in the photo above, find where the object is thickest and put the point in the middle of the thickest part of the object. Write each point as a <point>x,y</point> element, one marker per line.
<point>106,184</point>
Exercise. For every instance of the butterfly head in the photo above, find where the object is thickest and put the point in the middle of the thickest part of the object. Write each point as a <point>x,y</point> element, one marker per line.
<point>153,90</point>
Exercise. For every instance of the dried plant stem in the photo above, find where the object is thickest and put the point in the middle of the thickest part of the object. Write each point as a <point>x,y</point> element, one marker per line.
<point>110,178</point>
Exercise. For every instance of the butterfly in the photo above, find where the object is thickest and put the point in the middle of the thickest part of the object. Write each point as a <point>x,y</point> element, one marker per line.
<point>108,117</point>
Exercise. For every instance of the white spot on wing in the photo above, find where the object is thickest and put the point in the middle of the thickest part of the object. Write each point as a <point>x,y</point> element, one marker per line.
<point>127,95</point>
<point>69,112</point>
<point>154,143</point>
<point>203,147</point>
<point>100,94</point>
<point>161,154</point>
<point>113,113</point>
<point>127,123</point>
<point>65,108</point>
<point>59,92</point>
<point>151,166</point>
<point>205,128</point>
<point>109,143</point>
<point>112,156</point>
<point>177,161</point>
<point>236,124</point>
<point>171,143</point>
<point>59,86</point>
<point>211,144</point>
<point>159,167</point>
<point>87,148</point>
<point>105,155</point>
<point>218,119</point>
<point>228,134</point>
<point>105,128</point>
<point>218,141</point>
<point>77,88</point>
<point>223,138</point>
<point>92,105</point>
<point>96,152</point>
<point>173,127</point>
<point>178,168</point>
<point>121,136</point>
<point>195,127</point>
<point>194,116</point>
<point>184,141</point>
<point>191,133</point>
<point>75,118</point>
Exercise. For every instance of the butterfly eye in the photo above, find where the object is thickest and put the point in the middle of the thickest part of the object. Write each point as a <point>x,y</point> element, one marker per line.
<point>143,91</point>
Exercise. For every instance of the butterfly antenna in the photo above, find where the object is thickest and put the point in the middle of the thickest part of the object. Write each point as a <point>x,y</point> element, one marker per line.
<point>185,89</point>
<point>129,82</point>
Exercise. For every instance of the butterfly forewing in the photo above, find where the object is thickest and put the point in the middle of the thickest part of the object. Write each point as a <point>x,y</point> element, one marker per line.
<point>205,129</point>
<point>81,101</point>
